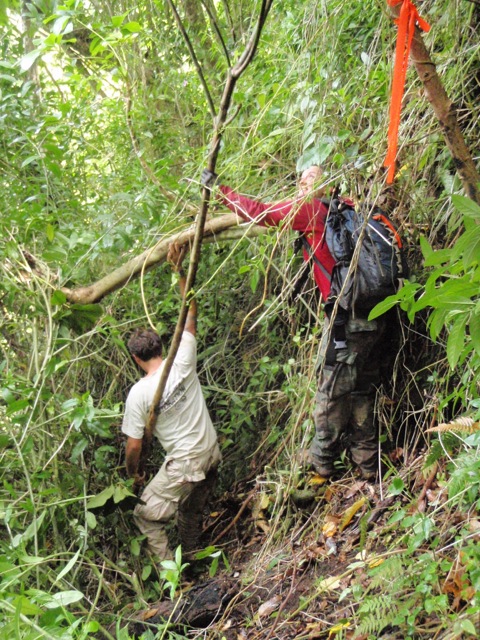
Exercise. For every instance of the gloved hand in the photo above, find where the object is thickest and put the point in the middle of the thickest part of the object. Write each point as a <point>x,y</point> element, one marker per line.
<point>208,179</point>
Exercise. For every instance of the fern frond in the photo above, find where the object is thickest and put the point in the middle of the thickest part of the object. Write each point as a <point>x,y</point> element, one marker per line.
<point>378,612</point>
<point>459,425</point>
<point>438,448</point>
<point>465,478</point>
<point>389,571</point>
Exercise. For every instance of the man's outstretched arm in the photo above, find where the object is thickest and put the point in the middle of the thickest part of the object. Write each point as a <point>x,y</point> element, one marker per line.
<point>175,257</point>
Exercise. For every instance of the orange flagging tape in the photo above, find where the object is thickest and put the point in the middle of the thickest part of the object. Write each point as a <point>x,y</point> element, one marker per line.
<point>408,19</point>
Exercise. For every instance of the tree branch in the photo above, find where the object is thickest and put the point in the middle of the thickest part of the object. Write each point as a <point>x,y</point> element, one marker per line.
<point>217,31</point>
<point>251,47</point>
<point>194,57</point>
<point>219,123</point>
<point>221,229</point>
<point>446,113</point>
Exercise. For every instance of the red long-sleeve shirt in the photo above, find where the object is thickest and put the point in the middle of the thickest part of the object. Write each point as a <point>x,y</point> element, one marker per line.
<point>307,217</point>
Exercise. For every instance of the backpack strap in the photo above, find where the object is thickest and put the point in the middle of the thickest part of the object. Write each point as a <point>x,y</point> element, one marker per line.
<point>308,248</point>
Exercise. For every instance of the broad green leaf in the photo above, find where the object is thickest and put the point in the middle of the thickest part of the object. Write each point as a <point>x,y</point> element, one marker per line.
<point>438,257</point>
<point>32,559</point>
<point>30,531</point>
<point>17,405</point>
<point>70,564</point>
<point>468,627</point>
<point>29,160</point>
<point>396,517</point>
<point>437,321</point>
<point>205,553</point>
<point>70,404</point>
<point>8,78</point>
<point>121,492</point>
<point>58,298</point>
<point>475,331</point>
<point>91,520</point>
<point>50,231</point>
<point>213,567</point>
<point>78,449</point>
<point>8,570</point>
<point>396,487</point>
<point>101,498</point>
<point>254,279</point>
<point>382,307</point>
<point>277,132</point>
<point>64,598</point>
<point>27,608</point>
<point>117,21</point>
<point>62,25</point>
<point>462,245</point>
<point>466,206</point>
<point>324,149</point>
<point>425,247</point>
<point>28,60</point>
<point>133,27</point>
<point>135,547</point>
<point>456,340</point>
<point>146,571</point>
<point>471,255</point>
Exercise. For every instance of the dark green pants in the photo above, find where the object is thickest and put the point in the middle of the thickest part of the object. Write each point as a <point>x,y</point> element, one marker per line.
<point>345,399</point>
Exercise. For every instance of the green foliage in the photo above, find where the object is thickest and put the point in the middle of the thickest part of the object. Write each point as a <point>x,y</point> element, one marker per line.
<point>172,571</point>
<point>408,588</point>
<point>216,555</point>
<point>104,128</point>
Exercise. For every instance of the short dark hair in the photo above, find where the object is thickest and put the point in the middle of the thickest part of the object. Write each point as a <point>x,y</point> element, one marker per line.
<point>145,344</point>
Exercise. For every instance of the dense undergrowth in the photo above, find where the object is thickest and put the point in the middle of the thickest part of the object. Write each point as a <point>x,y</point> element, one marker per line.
<point>105,129</point>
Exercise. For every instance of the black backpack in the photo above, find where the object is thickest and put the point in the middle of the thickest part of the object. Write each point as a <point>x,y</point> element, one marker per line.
<point>368,238</point>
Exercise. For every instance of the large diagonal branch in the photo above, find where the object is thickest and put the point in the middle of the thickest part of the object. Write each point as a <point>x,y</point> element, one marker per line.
<point>221,229</point>
<point>233,75</point>
<point>446,113</point>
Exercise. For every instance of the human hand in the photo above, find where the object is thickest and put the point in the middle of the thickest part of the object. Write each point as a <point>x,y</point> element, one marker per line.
<point>139,480</point>
<point>175,256</point>
<point>208,179</point>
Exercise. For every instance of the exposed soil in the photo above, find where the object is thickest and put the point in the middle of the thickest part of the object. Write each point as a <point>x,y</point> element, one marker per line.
<point>289,576</point>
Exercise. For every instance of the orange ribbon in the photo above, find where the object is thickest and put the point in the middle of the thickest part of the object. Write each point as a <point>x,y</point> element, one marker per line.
<point>408,19</point>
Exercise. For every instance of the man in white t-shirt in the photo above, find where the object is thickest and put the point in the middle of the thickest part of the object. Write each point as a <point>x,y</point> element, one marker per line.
<point>184,429</point>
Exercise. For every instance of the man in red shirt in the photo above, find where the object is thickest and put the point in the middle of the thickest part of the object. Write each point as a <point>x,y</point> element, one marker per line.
<point>349,357</point>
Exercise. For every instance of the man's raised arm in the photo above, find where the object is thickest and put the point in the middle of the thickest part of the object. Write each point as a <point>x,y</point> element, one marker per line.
<point>175,257</point>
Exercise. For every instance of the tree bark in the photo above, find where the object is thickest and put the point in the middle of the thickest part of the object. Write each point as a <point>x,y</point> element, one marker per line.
<point>221,229</point>
<point>446,113</point>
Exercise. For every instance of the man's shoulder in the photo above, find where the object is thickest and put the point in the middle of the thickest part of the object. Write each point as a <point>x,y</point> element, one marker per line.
<point>139,389</point>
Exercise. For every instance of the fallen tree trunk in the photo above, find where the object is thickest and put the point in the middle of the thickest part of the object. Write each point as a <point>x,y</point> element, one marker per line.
<point>221,229</point>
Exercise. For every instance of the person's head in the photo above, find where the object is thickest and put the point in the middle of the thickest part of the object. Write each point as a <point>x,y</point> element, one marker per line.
<point>310,181</point>
<point>145,344</point>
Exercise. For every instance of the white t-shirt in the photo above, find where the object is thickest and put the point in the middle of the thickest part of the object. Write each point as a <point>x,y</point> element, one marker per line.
<point>184,427</point>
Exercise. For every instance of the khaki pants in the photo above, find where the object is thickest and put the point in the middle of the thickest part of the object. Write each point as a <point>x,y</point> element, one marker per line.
<point>345,399</point>
<point>180,487</point>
